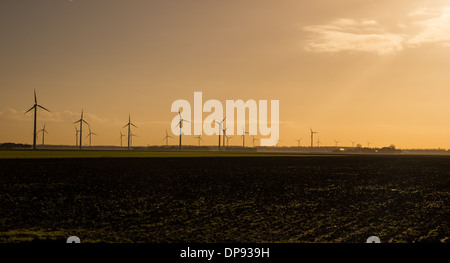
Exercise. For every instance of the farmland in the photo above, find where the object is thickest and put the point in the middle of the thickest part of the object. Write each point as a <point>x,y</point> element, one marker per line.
<point>204,197</point>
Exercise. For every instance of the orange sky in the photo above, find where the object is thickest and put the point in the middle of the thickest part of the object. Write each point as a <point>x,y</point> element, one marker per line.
<point>353,70</point>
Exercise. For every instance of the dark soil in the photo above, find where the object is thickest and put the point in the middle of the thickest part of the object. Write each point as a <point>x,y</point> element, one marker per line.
<point>247,199</point>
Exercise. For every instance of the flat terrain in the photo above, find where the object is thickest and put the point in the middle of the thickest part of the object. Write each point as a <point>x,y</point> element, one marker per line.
<point>235,199</point>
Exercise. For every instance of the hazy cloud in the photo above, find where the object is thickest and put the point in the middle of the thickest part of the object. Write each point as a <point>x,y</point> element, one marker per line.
<point>349,35</point>
<point>435,28</point>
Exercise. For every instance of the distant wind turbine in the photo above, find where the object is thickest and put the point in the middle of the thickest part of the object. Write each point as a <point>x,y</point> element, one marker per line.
<point>131,138</point>
<point>180,123</point>
<point>336,142</point>
<point>253,140</point>
<point>76,136</point>
<point>312,137</point>
<point>121,136</point>
<point>368,144</point>
<point>35,106</point>
<point>81,120</point>
<point>298,142</point>
<point>318,142</point>
<point>220,129</point>
<point>129,124</point>
<point>44,131</point>
<point>167,137</point>
<point>199,138</point>
<point>243,137</point>
<point>224,135</point>
<point>228,138</point>
<point>353,144</point>
<point>90,135</point>
<point>278,140</point>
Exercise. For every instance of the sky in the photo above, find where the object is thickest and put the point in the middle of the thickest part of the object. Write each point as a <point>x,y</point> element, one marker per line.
<point>354,70</point>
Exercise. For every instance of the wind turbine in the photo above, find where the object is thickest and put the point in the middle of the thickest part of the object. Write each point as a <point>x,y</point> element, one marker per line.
<point>368,144</point>
<point>298,142</point>
<point>167,138</point>
<point>224,135</point>
<point>220,129</point>
<point>180,123</point>
<point>44,131</point>
<point>199,138</point>
<point>336,142</point>
<point>76,136</point>
<point>278,140</point>
<point>35,106</point>
<point>129,124</point>
<point>318,142</point>
<point>243,137</point>
<point>121,136</point>
<point>90,135</point>
<point>353,144</point>
<point>131,138</point>
<point>312,137</point>
<point>253,141</point>
<point>81,120</point>
<point>228,138</point>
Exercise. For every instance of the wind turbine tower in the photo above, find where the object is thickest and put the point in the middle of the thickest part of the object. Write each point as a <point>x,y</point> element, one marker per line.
<point>298,142</point>
<point>180,123</point>
<point>312,137</point>
<point>35,106</point>
<point>129,124</point>
<point>220,129</point>
<point>243,137</point>
<point>81,120</point>
<point>167,138</point>
<point>199,138</point>
<point>90,135</point>
<point>44,131</point>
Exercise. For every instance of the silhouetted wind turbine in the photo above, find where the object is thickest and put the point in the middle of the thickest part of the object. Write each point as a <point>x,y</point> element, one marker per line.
<point>253,141</point>
<point>35,106</point>
<point>318,142</point>
<point>167,138</point>
<point>131,138</point>
<point>81,120</point>
<point>90,135</point>
<point>224,135</point>
<point>121,136</point>
<point>243,137</point>
<point>368,144</point>
<point>199,138</point>
<point>228,138</point>
<point>353,144</point>
<point>76,136</point>
<point>298,142</point>
<point>336,142</point>
<point>220,129</point>
<point>180,123</point>
<point>129,124</point>
<point>44,131</point>
<point>278,140</point>
<point>312,137</point>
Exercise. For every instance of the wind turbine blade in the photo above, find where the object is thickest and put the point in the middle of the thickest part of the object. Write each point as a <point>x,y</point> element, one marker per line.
<point>133,125</point>
<point>30,109</point>
<point>187,121</point>
<point>86,123</point>
<point>35,98</point>
<point>43,108</point>
<point>76,122</point>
